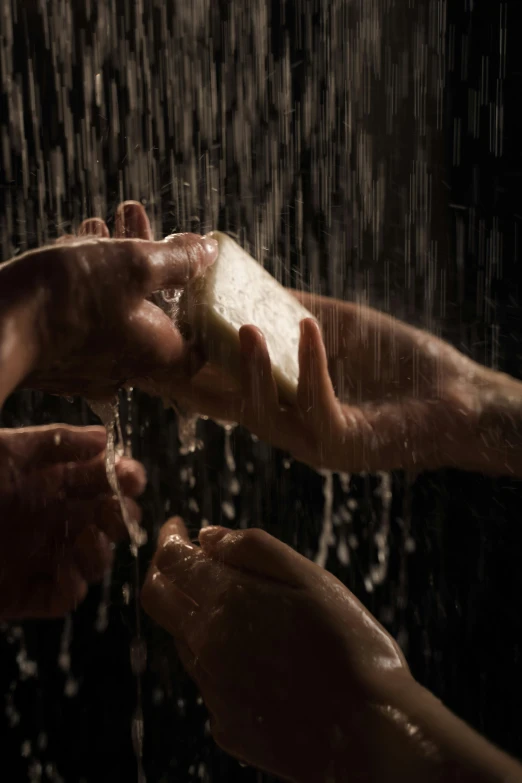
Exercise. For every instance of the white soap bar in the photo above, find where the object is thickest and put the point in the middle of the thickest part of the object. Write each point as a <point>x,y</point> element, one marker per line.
<point>236,291</point>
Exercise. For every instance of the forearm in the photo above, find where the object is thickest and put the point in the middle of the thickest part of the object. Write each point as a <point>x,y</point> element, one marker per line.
<point>415,738</point>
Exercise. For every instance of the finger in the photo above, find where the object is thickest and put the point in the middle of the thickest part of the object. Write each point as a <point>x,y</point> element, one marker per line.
<point>187,568</point>
<point>54,529</point>
<point>104,512</point>
<point>54,443</point>
<point>65,239</point>
<point>168,606</point>
<point>255,552</point>
<point>154,344</point>
<point>257,381</point>
<point>81,480</point>
<point>176,260</point>
<point>315,393</point>
<point>92,554</point>
<point>131,475</point>
<point>94,227</point>
<point>131,222</point>
<point>173,527</point>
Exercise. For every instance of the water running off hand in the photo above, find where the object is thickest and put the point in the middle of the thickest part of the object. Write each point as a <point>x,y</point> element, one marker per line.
<point>108,413</point>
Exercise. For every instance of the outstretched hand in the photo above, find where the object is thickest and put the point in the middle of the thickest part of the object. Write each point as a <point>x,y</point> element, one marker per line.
<point>81,311</point>
<point>374,394</point>
<point>288,662</point>
<point>58,517</point>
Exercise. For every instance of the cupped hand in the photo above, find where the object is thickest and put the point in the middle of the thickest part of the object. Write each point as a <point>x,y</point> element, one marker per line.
<point>93,326</point>
<point>374,394</point>
<point>58,517</point>
<point>288,662</point>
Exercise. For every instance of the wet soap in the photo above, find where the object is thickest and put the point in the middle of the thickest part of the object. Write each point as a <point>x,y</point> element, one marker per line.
<point>236,291</point>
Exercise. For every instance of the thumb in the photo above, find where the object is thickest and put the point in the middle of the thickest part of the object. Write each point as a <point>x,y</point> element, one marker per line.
<point>256,552</point>
<point>173,527</point>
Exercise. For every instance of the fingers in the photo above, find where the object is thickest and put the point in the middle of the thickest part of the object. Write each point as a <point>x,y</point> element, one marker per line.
<point>132,222</point>
<point>168,606</point>
<point>154,343</point>
<point>76,480</point>
<point>87,479</point>
<point>315,394</point>
<point>95,227</point>
<point>35,446</point>
<point>172,528</point>
<point>92,554</point>
<point>178,259</point>
<point>187,568</point>
<point>131,476</point>
<point>103,512</point>
<point>257,382</point>
<point>255,552</point>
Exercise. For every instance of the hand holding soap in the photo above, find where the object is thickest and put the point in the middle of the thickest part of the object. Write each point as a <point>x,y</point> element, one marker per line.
<point>236,291</point>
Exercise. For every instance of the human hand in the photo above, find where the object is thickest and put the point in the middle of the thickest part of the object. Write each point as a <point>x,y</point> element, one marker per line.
<point>374,394</point>
<point>288,662</point>
<point>58,517</point>
<point>80,308</point>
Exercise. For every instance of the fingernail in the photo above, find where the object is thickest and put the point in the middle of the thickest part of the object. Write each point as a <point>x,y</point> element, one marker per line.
<point>212,535</point>
<point>211,247</point>
<point>129,220</point>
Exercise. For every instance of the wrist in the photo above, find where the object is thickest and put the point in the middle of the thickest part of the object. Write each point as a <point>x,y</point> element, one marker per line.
<point>412,736</point>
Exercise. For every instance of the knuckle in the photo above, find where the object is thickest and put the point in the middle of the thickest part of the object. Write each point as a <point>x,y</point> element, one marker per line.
<point>134,263</point>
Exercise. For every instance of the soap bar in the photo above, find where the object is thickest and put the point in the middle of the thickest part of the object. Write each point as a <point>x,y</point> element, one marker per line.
<point>236,291</point>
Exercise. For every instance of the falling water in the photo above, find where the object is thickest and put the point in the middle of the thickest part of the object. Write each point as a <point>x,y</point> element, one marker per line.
<point>326,538</point>
<point>108,412</point>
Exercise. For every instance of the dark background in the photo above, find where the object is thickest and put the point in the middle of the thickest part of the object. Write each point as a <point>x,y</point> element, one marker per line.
<point>353,146</point>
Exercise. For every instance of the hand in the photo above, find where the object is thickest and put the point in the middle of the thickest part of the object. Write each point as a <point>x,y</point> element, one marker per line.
<point>80,308</point>
<point>58,517</point>
<point>286,658</point>
<point>374,394</point>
